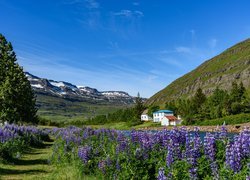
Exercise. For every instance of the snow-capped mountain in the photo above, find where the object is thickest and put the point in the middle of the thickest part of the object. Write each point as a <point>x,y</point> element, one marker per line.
<point>70,91</point>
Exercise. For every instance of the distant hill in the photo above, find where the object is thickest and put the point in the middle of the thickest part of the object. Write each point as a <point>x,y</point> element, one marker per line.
<point>70,91</point>
<point>59,100</point>
<point>231,65</point>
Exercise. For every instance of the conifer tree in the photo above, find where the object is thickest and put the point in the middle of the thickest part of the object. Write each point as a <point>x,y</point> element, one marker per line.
<point>139,107</point>
<point>17,101</point>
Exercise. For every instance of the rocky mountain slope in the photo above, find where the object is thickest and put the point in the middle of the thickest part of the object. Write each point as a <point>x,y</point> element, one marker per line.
<point>231,65</point>
<point>77,93</point>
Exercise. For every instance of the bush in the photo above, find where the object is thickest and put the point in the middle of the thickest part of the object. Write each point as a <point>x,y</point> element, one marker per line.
<point>233,119</point>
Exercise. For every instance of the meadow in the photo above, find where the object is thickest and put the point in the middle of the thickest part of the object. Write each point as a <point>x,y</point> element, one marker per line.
<point>79,153</point>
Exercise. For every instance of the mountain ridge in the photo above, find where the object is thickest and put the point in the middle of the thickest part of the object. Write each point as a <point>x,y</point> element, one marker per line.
<point>233,64</point>
<point>70,91</point>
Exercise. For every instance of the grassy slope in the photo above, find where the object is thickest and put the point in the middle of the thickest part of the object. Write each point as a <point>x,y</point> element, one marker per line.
<point>229,62</point>
<point>125,126</point>
<point>58,109</point>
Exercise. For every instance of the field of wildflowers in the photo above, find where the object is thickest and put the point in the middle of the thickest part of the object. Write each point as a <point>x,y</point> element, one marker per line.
<point>15,139</point>
<point>175,154</point>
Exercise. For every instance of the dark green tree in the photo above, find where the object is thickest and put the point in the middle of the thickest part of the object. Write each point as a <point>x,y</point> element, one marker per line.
<point>171,105</point>
<point>237,93</point>
<point>197,102</point>
<point>139,106</point>
<point>199,97</point>
<point>17,101</point>
<point>153,109</point>
<point>217,103</point>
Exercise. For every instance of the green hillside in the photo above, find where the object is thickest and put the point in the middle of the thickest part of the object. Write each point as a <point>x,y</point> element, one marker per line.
<point>231,65</point>
<point>61,109</point>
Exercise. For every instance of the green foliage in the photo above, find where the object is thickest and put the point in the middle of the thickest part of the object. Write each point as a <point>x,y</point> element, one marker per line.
<point>152,109</point>
<point>11,149</point>
<point>138,108</point>
<point>17,101</point>
<point>132,116</point>
<point>221,104</point>
<point>232,119</point>
<point>171,106</point>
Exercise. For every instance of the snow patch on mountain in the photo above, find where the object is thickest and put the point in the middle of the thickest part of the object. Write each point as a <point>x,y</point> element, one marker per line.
<point>37,86</point>
<point>68,90</point>
<point>115,94</point>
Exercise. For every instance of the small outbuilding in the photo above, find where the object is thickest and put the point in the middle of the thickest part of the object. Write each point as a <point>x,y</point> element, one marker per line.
<point>170,120</point>
<point>145,116</point>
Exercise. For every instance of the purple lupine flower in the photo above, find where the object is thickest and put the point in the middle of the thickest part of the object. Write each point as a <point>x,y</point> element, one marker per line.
<point>170,154</point>
<point>117,165</point>
<point>244,139</point>
<point>161,174</point>
<point>84,153</point>
<point>239,151</point>
<point>7,135</point>
<point>210,151</point>
<point>102,166</point>
<point>193,148</point>
<point>234,155</point>
<point>108,161</point>
<point>223,132</point>
<point>122,143</point>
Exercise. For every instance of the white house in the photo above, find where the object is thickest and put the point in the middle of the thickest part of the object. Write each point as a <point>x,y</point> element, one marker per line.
<point>170,120</point>
<point>145,116</point>
<point>158,115</point>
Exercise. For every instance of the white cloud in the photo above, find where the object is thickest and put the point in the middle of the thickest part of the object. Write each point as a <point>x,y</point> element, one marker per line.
<point>128,13</point>
<point>139,13</point>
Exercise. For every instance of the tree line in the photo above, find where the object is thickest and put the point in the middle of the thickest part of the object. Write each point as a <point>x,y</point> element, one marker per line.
<point>220,104</point>
<point>132,115</point>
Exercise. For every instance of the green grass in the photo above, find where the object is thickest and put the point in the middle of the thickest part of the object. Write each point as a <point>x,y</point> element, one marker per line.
<point>233,119</point>
<point>147,124</point>
<point>125,125</point>
<point>117,125</point>
<point>62,110</point>
<point>33,164</point>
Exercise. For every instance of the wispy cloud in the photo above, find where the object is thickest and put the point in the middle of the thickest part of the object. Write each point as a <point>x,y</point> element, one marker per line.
<point>91,4</point>
<point>128,13</point>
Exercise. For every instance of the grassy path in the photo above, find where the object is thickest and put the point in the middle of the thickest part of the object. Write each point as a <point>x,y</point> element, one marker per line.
<point>32,165</point>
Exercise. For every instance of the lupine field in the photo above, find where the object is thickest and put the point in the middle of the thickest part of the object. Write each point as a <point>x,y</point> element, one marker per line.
<point>113,154</point>
<point>175,154</point>
<point>15,139</point>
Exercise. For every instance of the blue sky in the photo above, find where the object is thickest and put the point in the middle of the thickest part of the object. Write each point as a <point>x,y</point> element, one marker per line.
<point>134,46</point>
